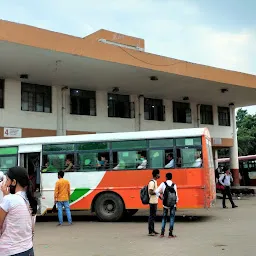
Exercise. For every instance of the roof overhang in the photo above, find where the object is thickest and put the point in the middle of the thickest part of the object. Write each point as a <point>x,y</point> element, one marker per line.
<point>56,68</point>
<point>52,58</point>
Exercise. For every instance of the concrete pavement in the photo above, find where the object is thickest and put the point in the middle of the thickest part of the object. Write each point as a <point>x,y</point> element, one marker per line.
<point>218,232</point>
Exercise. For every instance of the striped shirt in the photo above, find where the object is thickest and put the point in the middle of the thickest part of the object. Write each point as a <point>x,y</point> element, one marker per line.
<point>16,231</point>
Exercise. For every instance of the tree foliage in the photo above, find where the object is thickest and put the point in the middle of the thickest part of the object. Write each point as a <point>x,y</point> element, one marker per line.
<point>246,133</point>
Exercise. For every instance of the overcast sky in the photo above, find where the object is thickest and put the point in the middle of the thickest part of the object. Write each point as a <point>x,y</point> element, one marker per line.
<point>211,32</point>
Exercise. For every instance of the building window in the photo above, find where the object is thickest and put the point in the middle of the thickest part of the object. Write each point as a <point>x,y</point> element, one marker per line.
<point>206,114</point>
<point>120,106</point>
<point>1,93</point>
<point>82,102</point>
<point>181,112</point>
<point>224,116</point>
<point>154,109</point>
<point>37,98</point>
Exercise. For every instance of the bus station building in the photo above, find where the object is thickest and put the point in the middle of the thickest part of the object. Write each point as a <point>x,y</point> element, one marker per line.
<point>57,84</point>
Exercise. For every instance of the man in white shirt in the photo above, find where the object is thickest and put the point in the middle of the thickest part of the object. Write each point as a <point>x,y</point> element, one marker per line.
<point>144,162</point>
<point>170,161</point>
<point>161,190</point>
<point>225,180</point>
<point>198,161</point>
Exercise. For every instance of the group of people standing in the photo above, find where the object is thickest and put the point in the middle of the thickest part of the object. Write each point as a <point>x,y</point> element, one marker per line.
<point>156,192</point>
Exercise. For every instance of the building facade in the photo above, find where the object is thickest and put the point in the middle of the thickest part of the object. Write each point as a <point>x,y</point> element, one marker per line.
<point>56,84</point>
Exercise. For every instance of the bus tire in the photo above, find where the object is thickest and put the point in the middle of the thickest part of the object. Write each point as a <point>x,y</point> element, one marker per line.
<point>109,207</point>
<point>131,212</point>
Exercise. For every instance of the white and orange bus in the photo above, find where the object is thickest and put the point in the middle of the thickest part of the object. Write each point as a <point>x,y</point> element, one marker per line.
<point>105,177</point>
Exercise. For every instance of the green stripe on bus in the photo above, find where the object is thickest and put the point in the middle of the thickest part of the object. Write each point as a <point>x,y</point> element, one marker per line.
<point>78,192</point>
<point>9,151</point>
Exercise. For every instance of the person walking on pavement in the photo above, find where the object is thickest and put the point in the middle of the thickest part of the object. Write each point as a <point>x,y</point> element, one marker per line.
<point>153,201</point>
<point>62,197</point>
<point>225,180</point>
<point>169,193</point>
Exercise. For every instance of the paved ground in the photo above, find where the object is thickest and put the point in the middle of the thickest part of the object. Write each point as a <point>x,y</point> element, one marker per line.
<point>218,232</point>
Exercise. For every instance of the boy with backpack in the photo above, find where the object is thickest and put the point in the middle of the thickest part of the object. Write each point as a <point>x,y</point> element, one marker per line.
<point>170,197</point>
<point>152,201</point>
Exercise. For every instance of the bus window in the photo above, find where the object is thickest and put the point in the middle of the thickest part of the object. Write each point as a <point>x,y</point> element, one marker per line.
<point>156,158</point>
<point>53,163</point>
<point>186,142</point>
<point>129,160</point>
<point>162,143</point>
<point>93,161</point>
<point>7,162</point>
<point>126,145</point>
<point>189,157</point>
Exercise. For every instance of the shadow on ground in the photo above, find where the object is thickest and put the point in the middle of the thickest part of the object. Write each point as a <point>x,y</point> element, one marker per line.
<point>136,218</point>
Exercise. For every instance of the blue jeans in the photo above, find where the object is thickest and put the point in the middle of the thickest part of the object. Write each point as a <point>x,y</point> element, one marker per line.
<point>30,252</point>
<point>60,206</point>
<point>172,218</point>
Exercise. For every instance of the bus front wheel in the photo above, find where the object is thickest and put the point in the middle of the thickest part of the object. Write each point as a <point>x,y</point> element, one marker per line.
<point>109,207</point>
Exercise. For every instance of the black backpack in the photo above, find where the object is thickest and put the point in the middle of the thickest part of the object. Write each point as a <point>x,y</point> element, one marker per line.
<point>170,197</point>
<point>144,196</point>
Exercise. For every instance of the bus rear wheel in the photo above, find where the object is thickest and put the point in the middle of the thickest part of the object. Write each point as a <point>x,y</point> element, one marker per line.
<point>109,207</point>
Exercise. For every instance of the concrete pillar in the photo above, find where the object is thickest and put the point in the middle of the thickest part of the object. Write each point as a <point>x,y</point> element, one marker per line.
<point>234,163</point>
<point>57,92</point>
<point>135,99</point>
<point>61,99</point>
<point>215,158</point>
<point>139,113</point>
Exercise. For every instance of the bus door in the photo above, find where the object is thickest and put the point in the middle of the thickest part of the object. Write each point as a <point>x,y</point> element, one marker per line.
<point>30,157</point>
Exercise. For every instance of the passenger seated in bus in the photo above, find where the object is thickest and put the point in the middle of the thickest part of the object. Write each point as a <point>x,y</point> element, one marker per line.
<point>70,166</point>
<point>120,166</point>
<point>170,161</point>
<point>198,161</point>
<point>102,163</point>
<point>49,168</point>
<point>144,161</point>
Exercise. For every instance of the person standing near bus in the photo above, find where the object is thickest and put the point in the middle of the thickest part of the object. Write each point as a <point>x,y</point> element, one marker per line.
<point>168,188</point>
<point>225,180</point>
<point>153,201</point>
<point>62,197</point>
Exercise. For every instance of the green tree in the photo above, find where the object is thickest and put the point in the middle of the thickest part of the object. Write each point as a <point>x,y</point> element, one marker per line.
<point>246,134</point>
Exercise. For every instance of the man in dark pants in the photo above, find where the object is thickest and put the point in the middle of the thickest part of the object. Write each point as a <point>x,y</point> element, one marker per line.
<point>225,180</point>
<point>153,201</point>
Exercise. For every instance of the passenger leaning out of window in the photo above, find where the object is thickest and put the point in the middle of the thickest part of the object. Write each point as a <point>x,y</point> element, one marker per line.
<point>17,214</point>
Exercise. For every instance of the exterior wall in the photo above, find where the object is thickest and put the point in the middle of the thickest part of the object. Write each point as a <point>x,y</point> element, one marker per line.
<point>12,116</point>
<point>46,124</point>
